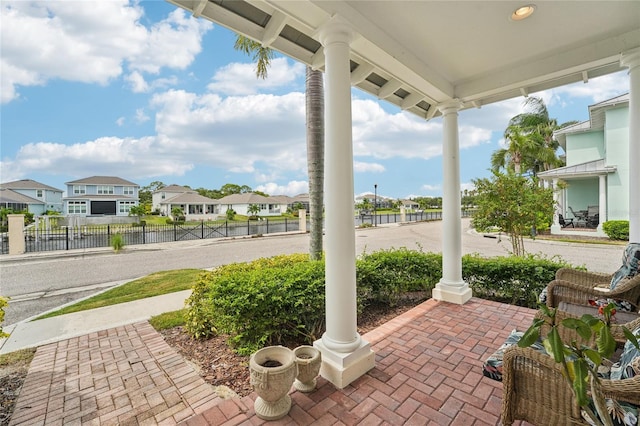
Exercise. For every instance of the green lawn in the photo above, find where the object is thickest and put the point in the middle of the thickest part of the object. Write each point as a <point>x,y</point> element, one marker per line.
<point>152,285</point>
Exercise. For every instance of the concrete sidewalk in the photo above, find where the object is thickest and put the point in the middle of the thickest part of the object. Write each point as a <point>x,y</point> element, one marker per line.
<point>28,334</point>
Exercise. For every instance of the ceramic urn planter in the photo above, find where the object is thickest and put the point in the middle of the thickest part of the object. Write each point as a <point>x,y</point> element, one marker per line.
<point>273,370</point>
<point>309,360</point>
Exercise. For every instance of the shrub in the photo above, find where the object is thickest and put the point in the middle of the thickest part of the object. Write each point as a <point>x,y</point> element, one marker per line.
<point>383,276</point>
<point>514,280</point>
<point>3,303</point>
<point>231,214</point>
<point>264,302</point>
<point>280,300</point>
<point>117,242</point>
<point>616,229</point>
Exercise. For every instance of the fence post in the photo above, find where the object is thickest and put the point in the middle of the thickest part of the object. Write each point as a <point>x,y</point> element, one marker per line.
<point>248,227</point>
<point>302,219</point>
<point>175,232</point>
<point>226,228</point>
<point>202,230</point>
<point>267,225</point>
<point>17,244</point>
<point>144,233</point>
<point>66,237</point>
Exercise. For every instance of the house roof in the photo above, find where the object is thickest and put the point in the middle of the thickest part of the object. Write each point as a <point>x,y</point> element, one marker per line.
<point>101,180</point>
<point>253,198</point>
<point>173,188</point>
<point>418,54</point>
<point>591,168</point>
<point>28,184</point>
<point>10,196</point>
<point>596,119</point>
<point>190,197</point>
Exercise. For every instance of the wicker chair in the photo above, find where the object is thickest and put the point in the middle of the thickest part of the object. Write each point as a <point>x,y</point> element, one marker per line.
<point>535,390</point>
<point>578,287</point>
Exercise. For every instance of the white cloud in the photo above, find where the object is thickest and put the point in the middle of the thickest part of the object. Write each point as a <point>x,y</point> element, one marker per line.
<point>121,157</point>
<point>291,188</point>
<point>468,186</point>
<point>120,121</point>
<point>428,187</point>
<point>141,116</point>
<point>361,167</point>
<point>137,82</point>
<point>89,42</point>
<point>240,78</point>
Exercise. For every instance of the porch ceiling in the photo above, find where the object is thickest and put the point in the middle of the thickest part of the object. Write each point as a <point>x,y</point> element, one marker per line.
<point>416,54</point>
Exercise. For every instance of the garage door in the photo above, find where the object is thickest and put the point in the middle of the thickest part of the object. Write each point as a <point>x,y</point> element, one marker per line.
<point>103,207</point>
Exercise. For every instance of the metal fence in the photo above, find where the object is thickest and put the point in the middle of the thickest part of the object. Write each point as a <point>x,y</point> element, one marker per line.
<point>88,236</point>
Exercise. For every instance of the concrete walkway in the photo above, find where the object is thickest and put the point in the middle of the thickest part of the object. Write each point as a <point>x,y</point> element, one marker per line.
<point>27,334</point>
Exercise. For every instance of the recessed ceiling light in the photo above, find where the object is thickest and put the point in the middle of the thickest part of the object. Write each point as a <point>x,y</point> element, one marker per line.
<point>523,12</point>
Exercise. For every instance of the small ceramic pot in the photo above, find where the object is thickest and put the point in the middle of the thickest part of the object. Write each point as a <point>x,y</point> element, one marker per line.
<point>309,360</point>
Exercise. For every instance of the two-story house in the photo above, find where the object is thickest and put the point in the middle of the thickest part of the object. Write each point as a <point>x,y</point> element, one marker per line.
<point>35,197</point>
<point>100,196</point>
<point>595,180</point>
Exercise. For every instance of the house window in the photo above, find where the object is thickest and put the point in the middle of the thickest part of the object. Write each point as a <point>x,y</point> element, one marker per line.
<point>163,195</point>
<point>125,206</point>
<point>77,207</point>
<point>128,190</point>
<point>105,189</point>
<point>39,193</point>
<point>79,189</point>
<point>263,206</point>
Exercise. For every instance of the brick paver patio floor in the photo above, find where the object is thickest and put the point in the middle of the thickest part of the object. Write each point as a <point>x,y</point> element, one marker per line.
<point>428,372</point>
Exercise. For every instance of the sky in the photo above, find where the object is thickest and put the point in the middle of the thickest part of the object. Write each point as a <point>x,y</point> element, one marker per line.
<point>143,91</point>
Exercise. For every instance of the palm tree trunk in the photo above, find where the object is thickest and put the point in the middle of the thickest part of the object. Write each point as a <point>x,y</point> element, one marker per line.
<point>315,157</point>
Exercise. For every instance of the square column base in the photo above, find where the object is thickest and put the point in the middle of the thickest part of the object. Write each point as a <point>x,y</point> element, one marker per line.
<point>341,369</point>
<point>458,294</point>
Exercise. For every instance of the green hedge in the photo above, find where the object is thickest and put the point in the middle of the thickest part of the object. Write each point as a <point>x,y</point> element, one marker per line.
<point>281,299</point>
<point>616,229</point>
<point>514,280</point>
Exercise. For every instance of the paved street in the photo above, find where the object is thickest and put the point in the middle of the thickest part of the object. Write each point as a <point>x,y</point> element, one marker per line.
<point>40,282</point>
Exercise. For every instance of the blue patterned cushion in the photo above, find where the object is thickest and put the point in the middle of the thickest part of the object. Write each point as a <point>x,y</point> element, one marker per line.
<point>492,366</point>
<point>630,265</point>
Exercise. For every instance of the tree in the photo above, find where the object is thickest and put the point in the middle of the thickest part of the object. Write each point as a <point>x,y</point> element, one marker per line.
<point>178,214</point>
<point>514,204</point>
<point>315,135</point>
<point>253,210</point>
<point>531,148</point>
<point>232,188</point>
<point>145,195</point>
<point>138,211</point>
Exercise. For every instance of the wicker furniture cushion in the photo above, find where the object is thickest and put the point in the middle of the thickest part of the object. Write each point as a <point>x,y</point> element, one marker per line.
<point>492,366</point>
<point>630,265</point>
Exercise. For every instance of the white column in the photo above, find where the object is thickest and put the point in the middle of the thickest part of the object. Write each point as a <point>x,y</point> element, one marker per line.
<point>345,355</point>
<point>602,202</point>
<point>451,287</point>
<point>555,227</point>
<point>631,60</point>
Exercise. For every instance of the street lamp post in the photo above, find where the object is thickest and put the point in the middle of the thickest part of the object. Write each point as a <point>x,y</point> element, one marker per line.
<point>375,203</point>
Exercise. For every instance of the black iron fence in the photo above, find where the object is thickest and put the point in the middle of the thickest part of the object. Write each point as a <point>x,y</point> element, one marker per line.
<point>92,236</point>
<point>88,236</point>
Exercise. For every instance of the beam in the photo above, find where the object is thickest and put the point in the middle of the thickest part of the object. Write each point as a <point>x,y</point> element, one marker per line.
<point>274,28</point>
<point>361,73</point>
<point>389,88</point>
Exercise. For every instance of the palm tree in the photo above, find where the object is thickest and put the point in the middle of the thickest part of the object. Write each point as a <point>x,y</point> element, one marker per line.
<point>532,147</point>
<point>315,135</point>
